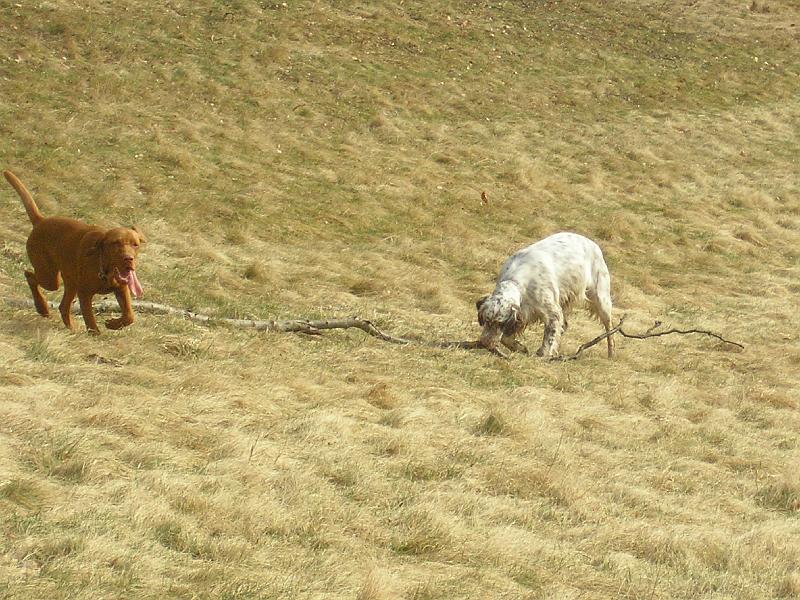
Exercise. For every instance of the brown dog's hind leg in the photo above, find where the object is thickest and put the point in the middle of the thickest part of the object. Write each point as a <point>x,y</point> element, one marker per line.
<point>39,301</point>
<point>65,308</point>
<point>124,298</point>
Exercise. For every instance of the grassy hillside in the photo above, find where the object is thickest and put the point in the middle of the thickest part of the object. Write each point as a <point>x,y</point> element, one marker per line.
<point>308,159</point>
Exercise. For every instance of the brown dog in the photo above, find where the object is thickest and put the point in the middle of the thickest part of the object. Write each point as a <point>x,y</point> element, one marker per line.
<point>91,260</point>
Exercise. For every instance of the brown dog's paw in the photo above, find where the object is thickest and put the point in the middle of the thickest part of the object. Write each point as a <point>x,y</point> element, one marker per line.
<point>116,323</point>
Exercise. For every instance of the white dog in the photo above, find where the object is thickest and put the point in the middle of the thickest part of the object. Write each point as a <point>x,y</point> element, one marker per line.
<point>542,283</point>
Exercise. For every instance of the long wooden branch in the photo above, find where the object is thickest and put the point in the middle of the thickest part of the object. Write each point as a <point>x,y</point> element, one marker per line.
<point>310,327</point>
<point>315,327</point>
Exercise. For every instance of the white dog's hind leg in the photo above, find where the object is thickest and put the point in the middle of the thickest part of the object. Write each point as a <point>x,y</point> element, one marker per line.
<point>567,311</point>
<point>600,305</point>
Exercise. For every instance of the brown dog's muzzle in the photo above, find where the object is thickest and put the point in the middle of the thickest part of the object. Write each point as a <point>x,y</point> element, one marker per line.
<point>122,266</point>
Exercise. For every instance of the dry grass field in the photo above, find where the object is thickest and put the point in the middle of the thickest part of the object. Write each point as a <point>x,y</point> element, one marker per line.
<point>326,159</point>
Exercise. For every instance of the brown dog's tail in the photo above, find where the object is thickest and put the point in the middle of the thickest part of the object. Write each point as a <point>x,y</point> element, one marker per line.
<point>30,206</point>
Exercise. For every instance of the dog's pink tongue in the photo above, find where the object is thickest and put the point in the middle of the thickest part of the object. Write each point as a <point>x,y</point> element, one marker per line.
<point>133,283</point>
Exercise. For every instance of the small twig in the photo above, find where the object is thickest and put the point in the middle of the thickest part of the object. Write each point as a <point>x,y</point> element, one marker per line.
<point>71,447</point>
<point>655,582</point>
<point>555,456</point>
<point>253,447</point>
<point>468,345</point>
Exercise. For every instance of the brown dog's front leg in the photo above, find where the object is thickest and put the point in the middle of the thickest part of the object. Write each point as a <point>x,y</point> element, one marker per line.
<point>65,308</point>
<point>124,299</point>
<point>88,312</point>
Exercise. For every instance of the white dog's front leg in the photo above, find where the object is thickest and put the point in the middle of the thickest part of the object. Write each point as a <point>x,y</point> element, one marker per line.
<point>552,335</point>
<point>510,342</point>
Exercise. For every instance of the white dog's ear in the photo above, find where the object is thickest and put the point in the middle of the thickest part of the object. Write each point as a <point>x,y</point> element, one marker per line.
<point>478,306</point>
<point>515,323</point>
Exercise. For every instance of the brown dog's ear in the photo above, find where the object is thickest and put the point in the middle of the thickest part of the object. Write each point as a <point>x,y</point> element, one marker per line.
<point>478,305</point>
<point>93,243</point>
<point>142,239</point>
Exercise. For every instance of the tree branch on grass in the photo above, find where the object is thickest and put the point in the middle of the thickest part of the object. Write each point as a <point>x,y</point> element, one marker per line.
<point>309,327</point>
<point>316,327</point>
<point>591,343</point>
<point>651,332</point>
